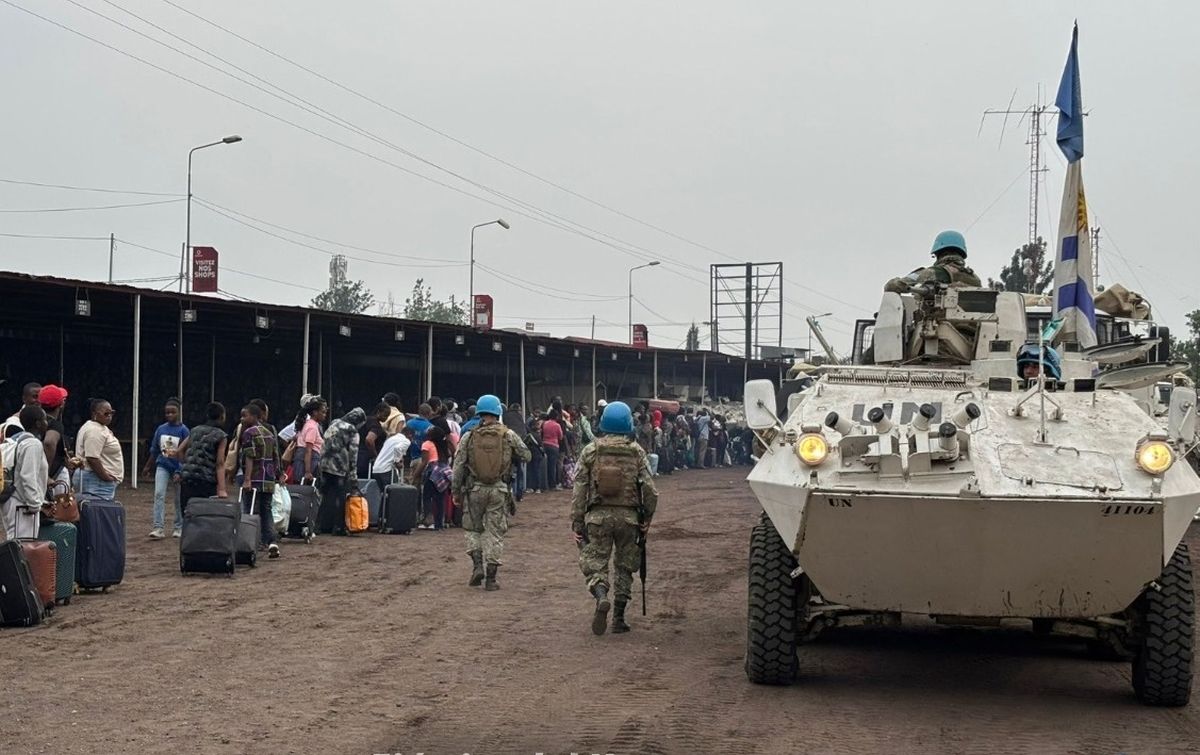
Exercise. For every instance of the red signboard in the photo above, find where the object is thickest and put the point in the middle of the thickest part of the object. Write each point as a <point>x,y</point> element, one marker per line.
<point>481,314</point>
<point>641,336</point>
<point>204,270</point>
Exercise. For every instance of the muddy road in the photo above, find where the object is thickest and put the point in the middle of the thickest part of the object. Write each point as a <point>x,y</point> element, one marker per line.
<point>375,644</point>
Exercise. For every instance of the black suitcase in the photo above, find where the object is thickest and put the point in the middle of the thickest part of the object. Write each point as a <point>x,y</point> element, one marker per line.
<point>370,490</point>
<point>100,560</point>
<point>249,531</point>
<point>303,520</point>
<point>20,604</point>
<point>399,511</point>
<point>209,540</point>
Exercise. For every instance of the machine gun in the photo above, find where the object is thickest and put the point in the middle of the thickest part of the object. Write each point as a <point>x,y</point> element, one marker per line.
<point>641,540</point>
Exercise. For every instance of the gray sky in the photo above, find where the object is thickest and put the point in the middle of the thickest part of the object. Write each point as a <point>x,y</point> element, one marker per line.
<point>836,138</point>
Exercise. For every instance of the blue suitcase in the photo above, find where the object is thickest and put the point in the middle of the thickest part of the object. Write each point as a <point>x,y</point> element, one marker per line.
<point>65,537</point>
<point>100,559</point>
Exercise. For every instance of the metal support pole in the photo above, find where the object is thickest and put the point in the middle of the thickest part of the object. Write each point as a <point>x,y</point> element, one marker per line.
<point>656,373</point>
<point>572,380</point>
<point>137,379</point>
<point>593,374</point>
<point>320,364</point>
<point>112,248</point>
<point>429,364</point>
<point>62,378</point>
<point>703,374</point>
<point>749,311</point>
<point>179,344</point>
<point>212,371</point>
<point>471,291</point>
<point>524,402</point>
<point>304,375</point>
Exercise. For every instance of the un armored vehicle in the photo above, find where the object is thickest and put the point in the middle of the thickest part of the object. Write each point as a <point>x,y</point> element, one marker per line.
<point>963,473</point>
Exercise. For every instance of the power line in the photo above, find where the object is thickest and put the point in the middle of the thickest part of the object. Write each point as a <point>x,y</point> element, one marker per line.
<point>88,209</point>
<point>575,295</point>
<point>60,238</point>
<point>87,188</point>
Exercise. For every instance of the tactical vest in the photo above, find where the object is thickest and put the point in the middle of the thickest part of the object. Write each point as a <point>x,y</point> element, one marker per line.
<point>615,473</point>
<point>487,454</point>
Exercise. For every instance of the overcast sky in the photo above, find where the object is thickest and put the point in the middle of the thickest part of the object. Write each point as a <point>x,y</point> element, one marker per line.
<point>838,138</point>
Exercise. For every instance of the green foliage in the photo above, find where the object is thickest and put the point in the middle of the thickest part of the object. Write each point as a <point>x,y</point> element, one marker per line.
<point>1029,271</point>
<point>693,338</point>
<point>420,305</point>
<point>350,297</point>
<point>1188,349</point>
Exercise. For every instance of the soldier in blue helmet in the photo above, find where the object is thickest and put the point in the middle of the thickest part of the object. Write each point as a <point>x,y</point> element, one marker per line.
<point>614,501</point>
<point>949,266</point>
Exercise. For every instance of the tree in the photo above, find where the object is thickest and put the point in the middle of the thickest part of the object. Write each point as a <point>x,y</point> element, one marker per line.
<point>693,338</point>
<point>1188,350</point>
<point>351,297</point>
<point>421,305</point>
<point>1028,272</point>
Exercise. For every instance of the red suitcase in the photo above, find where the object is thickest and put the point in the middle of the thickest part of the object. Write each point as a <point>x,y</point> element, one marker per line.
<point>42,557</point>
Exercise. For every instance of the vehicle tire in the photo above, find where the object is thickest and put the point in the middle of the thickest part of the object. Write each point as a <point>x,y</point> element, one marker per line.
<point>1162,668</point>
<point>772,618</point>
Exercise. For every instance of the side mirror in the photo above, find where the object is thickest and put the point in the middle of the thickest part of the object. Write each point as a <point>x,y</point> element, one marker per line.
<point>760,405</point>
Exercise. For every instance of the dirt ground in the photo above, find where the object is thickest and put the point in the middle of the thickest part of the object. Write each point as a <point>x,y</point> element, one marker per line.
<point>375,644</point>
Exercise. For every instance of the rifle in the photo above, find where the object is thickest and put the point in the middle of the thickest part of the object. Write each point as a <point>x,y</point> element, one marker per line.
<point>641,540</point>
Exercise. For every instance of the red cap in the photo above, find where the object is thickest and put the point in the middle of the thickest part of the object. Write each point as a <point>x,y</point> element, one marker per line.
<point>52,397</point>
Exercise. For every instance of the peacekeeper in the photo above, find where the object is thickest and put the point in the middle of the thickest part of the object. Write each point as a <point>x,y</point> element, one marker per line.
<point>950,266</point>
<point>613,505</point>
<point>483,469</point>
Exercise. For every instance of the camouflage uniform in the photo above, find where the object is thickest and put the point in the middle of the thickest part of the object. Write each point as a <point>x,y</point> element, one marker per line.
<point>611,529</point>
<point>949,268</point>
<point>485,506</point>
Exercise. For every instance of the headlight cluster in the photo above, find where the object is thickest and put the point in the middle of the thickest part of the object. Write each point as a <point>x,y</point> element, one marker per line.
<point>1154,456</point>
<point>812,448</point>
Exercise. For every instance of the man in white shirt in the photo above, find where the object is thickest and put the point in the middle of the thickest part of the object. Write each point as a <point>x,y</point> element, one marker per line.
<point>31,472</point>
<point>391,459</point>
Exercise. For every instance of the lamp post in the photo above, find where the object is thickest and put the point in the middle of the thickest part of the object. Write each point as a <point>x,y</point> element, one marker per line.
<point>471,296</point>
<point>639,267</point>
<point>187,244</point>
<point>810,330</point>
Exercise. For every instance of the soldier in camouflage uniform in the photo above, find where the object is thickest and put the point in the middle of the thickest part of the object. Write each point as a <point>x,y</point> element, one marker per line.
<point>612,482</point>
<point>950,266</point>
<point>483,469</point>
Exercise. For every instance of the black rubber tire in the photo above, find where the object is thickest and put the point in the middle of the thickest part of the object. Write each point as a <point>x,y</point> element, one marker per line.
<point>1162,668</point>
<point>771,625</point>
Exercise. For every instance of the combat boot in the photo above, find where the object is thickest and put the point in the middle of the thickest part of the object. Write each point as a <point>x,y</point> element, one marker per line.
<point>600,618</point>
<point>618,625</point>
<point>477,570</point>
<point>490,584</point>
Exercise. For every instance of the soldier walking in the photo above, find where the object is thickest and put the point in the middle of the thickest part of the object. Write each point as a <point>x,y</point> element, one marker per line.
<point>483,469</point>
<point>614,502</point>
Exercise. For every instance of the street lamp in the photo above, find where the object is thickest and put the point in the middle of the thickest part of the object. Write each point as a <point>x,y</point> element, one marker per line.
<point>187,245</point>
<point>471,297</point>
<point>814,319</point>
<point>639,267</point>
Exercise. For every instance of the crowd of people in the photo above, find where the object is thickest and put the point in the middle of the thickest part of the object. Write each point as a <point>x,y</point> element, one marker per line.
<point>385,444</point>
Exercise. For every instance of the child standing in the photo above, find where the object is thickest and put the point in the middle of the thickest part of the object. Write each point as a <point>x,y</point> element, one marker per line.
<point>163,457</point>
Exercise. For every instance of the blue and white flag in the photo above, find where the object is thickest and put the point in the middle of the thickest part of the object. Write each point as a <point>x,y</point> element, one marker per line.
<point>1073,292</point>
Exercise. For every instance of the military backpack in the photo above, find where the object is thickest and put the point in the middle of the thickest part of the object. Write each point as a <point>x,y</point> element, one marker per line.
<point>615,474</point>
<point>487,455</point>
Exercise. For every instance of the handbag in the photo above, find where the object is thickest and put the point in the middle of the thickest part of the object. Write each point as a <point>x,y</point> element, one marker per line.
<point>62,506</point>
<point>441,475</point>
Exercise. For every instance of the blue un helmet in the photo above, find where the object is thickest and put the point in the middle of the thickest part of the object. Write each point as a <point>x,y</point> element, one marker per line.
<point>617,419</point>
<point>489,404</point>
<point>1028,354</point>
<point>949,241</point>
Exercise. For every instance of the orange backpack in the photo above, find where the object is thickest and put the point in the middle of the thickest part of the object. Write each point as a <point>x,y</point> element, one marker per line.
<point>357,516</point>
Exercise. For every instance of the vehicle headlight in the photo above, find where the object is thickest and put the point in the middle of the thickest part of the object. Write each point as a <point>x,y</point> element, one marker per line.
<point>812,448</point>
<point>1155,457</point>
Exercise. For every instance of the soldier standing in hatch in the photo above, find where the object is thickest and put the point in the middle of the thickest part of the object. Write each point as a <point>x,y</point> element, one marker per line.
<point>950,266</point>
<point>614,491</point>
<point>483,469</point>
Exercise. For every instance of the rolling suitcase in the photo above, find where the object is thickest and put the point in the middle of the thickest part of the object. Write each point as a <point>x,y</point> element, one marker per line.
<point>248,533</point>
<point>357,516</point>
<point>66,541</point>
<point>100,560</point>
<point>303,522</point>
<point>399,511</point>
<point>210,536</point>
<point>20,605</point>
<point>42,560</point>
<point>369,489</point>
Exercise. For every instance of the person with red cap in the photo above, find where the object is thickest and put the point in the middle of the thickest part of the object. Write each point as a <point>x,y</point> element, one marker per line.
<point>52,399</point>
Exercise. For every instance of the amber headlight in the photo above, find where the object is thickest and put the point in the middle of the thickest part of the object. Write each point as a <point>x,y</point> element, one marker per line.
<point>812,448</point>
<point>1155,457</point>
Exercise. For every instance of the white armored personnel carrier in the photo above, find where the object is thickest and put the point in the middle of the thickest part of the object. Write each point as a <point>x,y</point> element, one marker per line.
<point>937,479</point>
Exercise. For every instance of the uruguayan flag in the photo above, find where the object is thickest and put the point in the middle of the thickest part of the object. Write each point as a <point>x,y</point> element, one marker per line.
<point>1073,294</point>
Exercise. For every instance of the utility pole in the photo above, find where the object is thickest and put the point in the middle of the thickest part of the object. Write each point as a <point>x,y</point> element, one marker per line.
<point>112,247</point>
